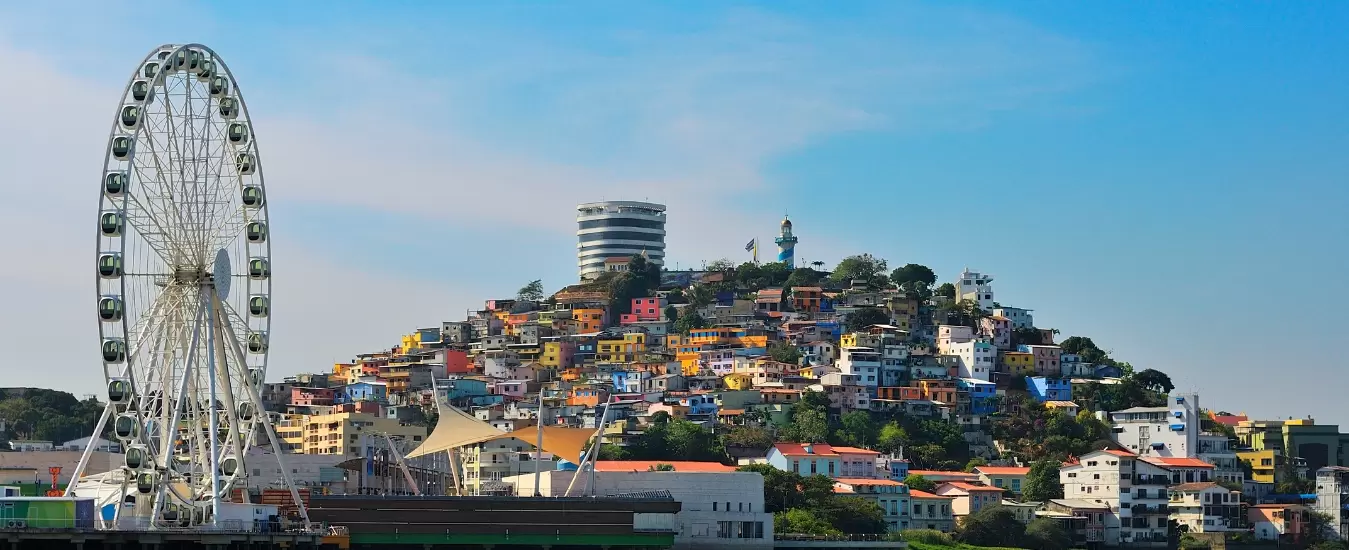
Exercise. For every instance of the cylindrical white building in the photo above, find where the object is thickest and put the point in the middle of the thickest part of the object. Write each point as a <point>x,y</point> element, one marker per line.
<point>618,229</point>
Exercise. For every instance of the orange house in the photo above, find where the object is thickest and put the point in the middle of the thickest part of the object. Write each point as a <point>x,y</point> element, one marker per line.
<point>589,319</point>
<point>899,393</point>
<point>807,298</point>
<point>939,390</point>
<point>586,397</point>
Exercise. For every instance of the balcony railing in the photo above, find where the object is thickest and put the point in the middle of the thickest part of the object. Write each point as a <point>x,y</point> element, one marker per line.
<point>1144,509</point>
<point>1152,479</point>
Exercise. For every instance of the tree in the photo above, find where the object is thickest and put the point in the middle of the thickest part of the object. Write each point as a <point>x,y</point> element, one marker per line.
<point>689,321</point>
<point>700,296</point>
<point>865,317</point>
<point>853,515</point>
<point>915,481</point>
<point>992,526</point>
<point>1027,336</point>
<point>891,438</point>
<point>532,292</point>
<point>1154,380</point>
<point>1042,482</point>
<point>947,290</point>
<point>857,429</point>
<point>915,280</point>
<point>723,265</point>
<point>1084,347</point>
<point>798,521</point>
<point>784,352</point>
<point>1047,534</point>
<point>864,267</point>
<point>748,437</point>
<point>808,426</point>
<point>975,463</point>
<point>671,313</point>
<point>802,276</point>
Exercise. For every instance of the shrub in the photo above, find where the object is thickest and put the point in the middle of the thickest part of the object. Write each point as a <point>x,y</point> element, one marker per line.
<point>929,536</point>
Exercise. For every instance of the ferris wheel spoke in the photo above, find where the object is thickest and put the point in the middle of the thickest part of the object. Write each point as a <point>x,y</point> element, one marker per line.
<point>184,284</point>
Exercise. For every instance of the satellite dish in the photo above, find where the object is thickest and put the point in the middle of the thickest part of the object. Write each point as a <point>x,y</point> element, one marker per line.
<point>221,273</point>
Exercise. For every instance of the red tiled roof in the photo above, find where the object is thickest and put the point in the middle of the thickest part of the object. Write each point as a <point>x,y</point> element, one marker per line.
<point>1197,486</point>
<point>856,450</point>
<point>915,493</point>
<point>646,465</point>
<point>1177,462</point>
<point>1118,452</point>
<point>1003,470</point>
<point>969,487</point>
<point>798,449</point>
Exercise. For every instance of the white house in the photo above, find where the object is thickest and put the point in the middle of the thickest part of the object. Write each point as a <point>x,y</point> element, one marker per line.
<point>977,358</point>
<point>1171,430</point>
<point>975,287</point>
<point>101,445</point>
<point>719,507</point>
<point>952,334</point>
<point>863,362</point>
<point>1021,318</point>
<point>1135,491</point>
<point>1206,507</point>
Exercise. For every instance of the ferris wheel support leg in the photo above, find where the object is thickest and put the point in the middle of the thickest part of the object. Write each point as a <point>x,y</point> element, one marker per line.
<point>231,414</point>
<point>89,449</point>
<point>167,451</point>
<point>213,462</point>
<point>271,433</point>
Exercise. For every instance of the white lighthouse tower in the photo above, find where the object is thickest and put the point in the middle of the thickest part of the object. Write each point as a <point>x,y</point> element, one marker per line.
<point>786,244</point>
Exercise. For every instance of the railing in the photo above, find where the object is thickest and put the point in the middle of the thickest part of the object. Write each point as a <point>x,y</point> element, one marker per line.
<point>833,538</point>
<point>1145,509</point>
<point>1152,479</point>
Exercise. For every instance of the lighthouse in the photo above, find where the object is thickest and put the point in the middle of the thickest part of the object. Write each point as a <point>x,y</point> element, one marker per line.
<point>786,244</point>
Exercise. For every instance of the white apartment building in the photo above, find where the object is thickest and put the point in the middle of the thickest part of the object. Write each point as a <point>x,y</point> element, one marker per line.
<point>1172,430</point>
<point>718,509</point>
<point>975,287</point>
<point>1135,491</point>
<point>1206,507</point>
<point>618,229</point>
<point>977,358</point>
<point>1217,450</point>
<point>952,334</point>
<point>863,362</point>
<point>1021,318</point>
<point>1332,497</point>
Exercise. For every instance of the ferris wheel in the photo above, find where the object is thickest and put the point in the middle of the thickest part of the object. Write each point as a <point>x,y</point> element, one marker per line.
<point>183,271</point>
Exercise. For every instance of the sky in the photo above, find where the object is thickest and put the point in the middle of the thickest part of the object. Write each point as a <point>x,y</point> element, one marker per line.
<point>1169,179</point>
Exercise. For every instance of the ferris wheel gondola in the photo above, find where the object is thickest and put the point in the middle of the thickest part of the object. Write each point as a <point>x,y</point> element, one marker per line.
<point>183,336</point>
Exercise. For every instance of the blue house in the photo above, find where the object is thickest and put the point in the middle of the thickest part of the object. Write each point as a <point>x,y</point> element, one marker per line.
<point>1049,389</point>
<point>981,395</point>
<point>1108,371</point>
<point>363,391</point>
<point>701,404</point>
<point>462,388</point>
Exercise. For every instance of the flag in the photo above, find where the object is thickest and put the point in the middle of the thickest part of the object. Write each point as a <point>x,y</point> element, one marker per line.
<point>750,246</point>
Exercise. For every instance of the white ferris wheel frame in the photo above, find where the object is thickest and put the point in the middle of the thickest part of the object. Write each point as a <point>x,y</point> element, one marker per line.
<point>176,229</point>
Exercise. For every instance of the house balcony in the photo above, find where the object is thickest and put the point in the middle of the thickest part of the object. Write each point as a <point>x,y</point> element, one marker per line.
<point>1149,510</point>
<point>1151,480</point>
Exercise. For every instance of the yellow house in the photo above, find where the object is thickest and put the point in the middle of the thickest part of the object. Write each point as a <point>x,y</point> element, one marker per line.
<point>1019,362</point>
<point>621,350</point>
<point>553,356</point>
<point>410,342</point>
<point>340,433</point>
<point>859,340</point>
<point>1264,464</point>
<point>1003,477</point>
<point>738,381</point>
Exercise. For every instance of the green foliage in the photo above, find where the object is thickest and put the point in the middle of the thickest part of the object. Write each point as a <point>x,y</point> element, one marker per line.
<point>758,277</point>
<point>929,536</point>
<point>802,276</point>
<point>640,280</point>
<point>748,437</point>
<point>892,437</point>
<point>532,292</point>
<point>1027,336</point>
<point>1154,380</point>
<point>914,280</point>
<point>1046,534</point>
<point>975,463</point>
<point>865,317</point>
<point>798,521</point>
<point>963,313</point>
<point>947,290</point>
<point>1038,433</point>
<point>661,468</point>
<point>1113,397</point>
<point>863,267</point>
<point>48,415</point>
<point>723,265</point>
<point>1042,482</point>
<point>689,321</point>
<point>676,440</point>
<point>1084,347</point>
<point>784,352</point>
<point>808,426</point>
<point>915,481</point>
<point>853,515</point>
<point>671,312</point>
<point>857,429</point>
<point>992,526</point>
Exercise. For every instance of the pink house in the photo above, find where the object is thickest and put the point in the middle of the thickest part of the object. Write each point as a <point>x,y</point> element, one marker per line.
<point>321,397</point>
<point>515,389</point>
<point>644,309</point>
<point>997,329</point>
<point>1046,359</point>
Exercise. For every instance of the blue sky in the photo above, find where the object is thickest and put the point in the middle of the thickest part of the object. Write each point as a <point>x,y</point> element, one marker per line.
<point>1167,178</point>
